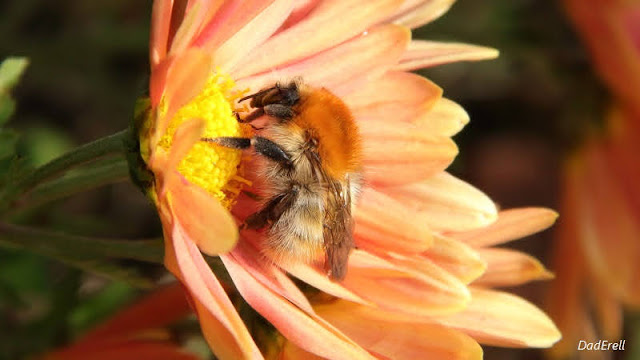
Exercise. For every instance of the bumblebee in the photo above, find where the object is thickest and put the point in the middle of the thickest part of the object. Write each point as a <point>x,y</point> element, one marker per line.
<point>310,158</point>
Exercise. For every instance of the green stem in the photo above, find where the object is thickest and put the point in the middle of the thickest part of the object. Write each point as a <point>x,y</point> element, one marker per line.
<point>59,245</point>
<point>103,173</point>
<point>107,146</point>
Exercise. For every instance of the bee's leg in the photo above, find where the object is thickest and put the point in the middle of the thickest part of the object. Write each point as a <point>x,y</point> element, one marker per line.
<point>272,210</point>
<point>279,111</point>
<point>261,145</point>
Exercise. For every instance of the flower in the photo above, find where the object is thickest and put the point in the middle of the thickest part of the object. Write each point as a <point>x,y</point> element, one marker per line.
<point>596,253</point>
<point>136,332</point>
<point>412,264</point>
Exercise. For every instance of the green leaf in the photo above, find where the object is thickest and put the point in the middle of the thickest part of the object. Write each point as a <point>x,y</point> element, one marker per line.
<point>10,71</point>
<point>8,141</point>
<point>7,107</point>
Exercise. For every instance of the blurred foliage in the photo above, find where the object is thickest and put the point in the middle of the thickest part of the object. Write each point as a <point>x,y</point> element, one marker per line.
<point>88,64</point>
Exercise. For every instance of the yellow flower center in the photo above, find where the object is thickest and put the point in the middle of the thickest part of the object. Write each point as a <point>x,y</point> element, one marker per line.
<point>210,166</point>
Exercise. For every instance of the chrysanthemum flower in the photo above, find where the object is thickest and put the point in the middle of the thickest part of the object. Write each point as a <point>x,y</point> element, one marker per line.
<point>412,264</point>
<point>597,252</point>
<point>136,332</point>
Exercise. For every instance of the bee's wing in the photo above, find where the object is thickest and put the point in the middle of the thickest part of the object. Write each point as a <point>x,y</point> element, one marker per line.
<point>338,228</point>
<point>338,223</point>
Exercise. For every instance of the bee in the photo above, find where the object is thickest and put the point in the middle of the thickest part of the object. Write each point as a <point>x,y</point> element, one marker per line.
<point>309,156</point>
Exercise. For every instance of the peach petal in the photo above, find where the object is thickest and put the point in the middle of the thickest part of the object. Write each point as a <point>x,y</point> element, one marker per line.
<point>396,96</point>
<point>185,136</point>
<point>317,278</point>
<point>306,330</point>
<point>292,352</point>
<point>445,118</point>
<point>510,268</point>
<point>446,203</point>
<point>511,224</point>
<point>565,296</point>
<point>301,10</point>
<point>396,153</point>
<point>404,286</point>
<point>363,58</point>
<point>222,327</point>
<point>162,307</point>
<point>457,258</point>
<point>609,230</point>
<point>269,275</point>
<point>395,87</point>
<point>158,80</point>
<point>424,12</point>
<point>214,233</point>
<point>228,20</point>
<point>381,334</point>
<point>192,21</point>
<point>608,310</point>
<point>252,34</point>
<point>185,79</point>
<point>385,224</point>
<point>159,37</point>
<point>125,350</point>
<point>337,20</point>
<point>501,319</point>
<point>608,31</point>
<point>423,54</point>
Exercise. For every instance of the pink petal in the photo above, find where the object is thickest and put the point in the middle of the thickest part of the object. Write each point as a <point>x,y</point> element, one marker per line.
<point>330,23</point>
<point>386,225</point>
<point>512,224</point>
<point>397,154</point>
<point>252,34</point>
<point>344,67</point>
<point>456,258</point>
<point>510,268</point>
<point>445,203</point>
<point>222,326</point>
<point>379,332</point>
<point>424,12</point>
<point>423,54</point>
<point>405,286</point>
<point>396,96</point>
<point>306,330</point>
<point>160,22</point>
<point>502,319</point>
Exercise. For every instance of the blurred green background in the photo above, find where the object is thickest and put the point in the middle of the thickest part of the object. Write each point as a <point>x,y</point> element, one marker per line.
<point>88,63</point>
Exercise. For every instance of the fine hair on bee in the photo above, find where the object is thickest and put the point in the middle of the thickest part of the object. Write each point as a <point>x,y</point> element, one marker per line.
<point>309,157</point>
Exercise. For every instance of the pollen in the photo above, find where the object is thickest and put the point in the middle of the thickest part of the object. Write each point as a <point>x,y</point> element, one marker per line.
<point>214,168</point>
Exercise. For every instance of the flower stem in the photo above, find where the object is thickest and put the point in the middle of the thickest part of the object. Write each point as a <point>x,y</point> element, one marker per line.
<point>64,246</point>
<point>99,149</point>
<point>103,173</point>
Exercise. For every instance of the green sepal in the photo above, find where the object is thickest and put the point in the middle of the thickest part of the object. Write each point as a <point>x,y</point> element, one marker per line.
<point>139,172</point>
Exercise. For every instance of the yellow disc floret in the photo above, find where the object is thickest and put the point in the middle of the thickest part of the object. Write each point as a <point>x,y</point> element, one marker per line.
<point>208,165</point>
